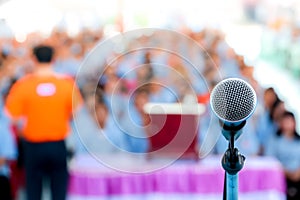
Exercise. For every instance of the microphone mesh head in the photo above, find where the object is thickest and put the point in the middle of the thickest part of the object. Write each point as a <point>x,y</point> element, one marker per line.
<point>233,100</point>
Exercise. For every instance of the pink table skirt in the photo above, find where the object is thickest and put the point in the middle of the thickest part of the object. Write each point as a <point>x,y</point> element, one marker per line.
<point>261,178</point>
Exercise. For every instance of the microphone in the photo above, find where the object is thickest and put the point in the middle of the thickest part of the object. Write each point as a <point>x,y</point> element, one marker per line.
<point>233,101</point>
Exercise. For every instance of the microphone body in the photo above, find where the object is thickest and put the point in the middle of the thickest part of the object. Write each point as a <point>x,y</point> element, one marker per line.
<point>233,101</point>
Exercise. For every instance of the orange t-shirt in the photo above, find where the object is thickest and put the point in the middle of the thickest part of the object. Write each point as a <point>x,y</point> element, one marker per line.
<point>46,103</point>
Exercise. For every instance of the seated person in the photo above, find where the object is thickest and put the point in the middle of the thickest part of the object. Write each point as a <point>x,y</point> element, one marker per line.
<point>266,127</point>
<point>160,93</point>
<point>99,132</point>
<point>135,120</point>
<point>286,148</point>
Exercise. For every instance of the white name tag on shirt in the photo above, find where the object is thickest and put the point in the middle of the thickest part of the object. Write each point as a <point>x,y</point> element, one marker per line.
<point>46,89</point>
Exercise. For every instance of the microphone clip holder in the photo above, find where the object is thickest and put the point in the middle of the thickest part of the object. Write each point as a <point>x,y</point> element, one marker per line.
<point>232,163</point>
<point>232,160</point>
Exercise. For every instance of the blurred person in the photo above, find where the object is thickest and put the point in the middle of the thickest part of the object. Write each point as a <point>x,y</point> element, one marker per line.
<point>76,49</point>
<point>270,98</point>
<point>180,80</point>
<point>159,61</point>
<point>45,101</point>
<point>113,88</point>
<point>145,72</point>
<point>212,68</point>
<point>7,71</point>
<point>98,129</point>
<point>286,147</point>
<point>134,124</point>
<point>160,93</point>
<point>66,61</point>
<point>266,126</point>
<point>8,153</point>
<point>92,124</point>
<point>277,111</point>
<point>8,146</point>
<point>209,125</point>
<point>17,174</point>
<point>204,72</point>
<point>88,39</point>
<point>229,63</point>
<point>21,59</point>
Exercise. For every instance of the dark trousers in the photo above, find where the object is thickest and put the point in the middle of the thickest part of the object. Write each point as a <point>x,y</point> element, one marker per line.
<point>293,190</point>
<point>5,191</point>
<point>45,160</point>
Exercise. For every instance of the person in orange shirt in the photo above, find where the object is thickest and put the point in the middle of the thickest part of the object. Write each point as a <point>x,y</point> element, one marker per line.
<point>45,102</point>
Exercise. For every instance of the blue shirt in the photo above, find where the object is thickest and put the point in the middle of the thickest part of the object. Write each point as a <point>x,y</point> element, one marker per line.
<point>132,126</point>
<point>115,104</point>
<point>90,137</point>
<point>266,128</point>
<point>287,151</point>
<point>8,148</point>
<point>69,66</point>
<point>94,139</point>
<point>164,95</point>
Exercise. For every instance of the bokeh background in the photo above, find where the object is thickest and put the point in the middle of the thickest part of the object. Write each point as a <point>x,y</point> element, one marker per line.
<point>264,32</point>
<point>256,40</point>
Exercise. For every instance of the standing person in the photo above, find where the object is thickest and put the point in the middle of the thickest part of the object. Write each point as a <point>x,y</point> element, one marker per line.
<point>44,102</point>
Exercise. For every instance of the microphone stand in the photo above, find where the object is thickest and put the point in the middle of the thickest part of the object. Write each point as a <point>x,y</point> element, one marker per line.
<point>232,163</point>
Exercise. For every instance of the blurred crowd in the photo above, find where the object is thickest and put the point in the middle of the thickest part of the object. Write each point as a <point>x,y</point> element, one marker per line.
<point>116,84</point>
